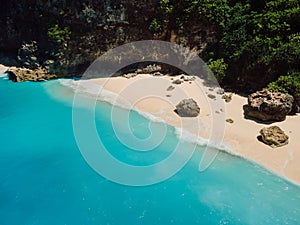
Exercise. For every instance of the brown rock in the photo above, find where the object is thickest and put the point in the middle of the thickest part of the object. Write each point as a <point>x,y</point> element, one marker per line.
<point>229,120</point>
<point>22,74</point>
<point>178,81</point>
<point>187,108</point>
<point>269,106</point>
<point>274,136</point>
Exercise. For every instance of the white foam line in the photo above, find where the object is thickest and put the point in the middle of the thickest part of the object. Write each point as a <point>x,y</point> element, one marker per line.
<point>93,90</point>
<point>97,91</point>
<point>2,73</point>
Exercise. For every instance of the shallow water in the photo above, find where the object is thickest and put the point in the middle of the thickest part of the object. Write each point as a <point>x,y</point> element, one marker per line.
<point>45,180</point>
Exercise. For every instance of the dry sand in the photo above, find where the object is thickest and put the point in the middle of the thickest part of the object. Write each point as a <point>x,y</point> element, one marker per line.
<point>149,94</point>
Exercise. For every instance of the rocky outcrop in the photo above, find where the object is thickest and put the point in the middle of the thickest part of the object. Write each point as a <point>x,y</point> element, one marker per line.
<point>75,33</point>
<point>27,55</point>
<point>188,108</point>
<point>274,136</point>
<point>21,74</point>
<point>269,106</point>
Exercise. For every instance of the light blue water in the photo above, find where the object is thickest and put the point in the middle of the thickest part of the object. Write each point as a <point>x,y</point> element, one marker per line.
<point>45,180</point>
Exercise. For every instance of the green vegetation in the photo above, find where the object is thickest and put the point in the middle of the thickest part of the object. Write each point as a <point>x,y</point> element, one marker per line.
<point>247,44</point>
<point>258,41</point>
<point>287,84</point>
<point>219,68</point>
<point>155,25</point>
<point>59,34</point>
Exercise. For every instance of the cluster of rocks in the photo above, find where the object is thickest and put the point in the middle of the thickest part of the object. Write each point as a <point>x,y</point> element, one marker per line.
<point>150,69</point>
<point>22,74</point>
<point>184,78</point>
<point>129,75</point>
<point>269,106</point>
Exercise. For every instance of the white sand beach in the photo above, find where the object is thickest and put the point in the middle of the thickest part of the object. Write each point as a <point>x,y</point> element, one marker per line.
<point>149,94</point>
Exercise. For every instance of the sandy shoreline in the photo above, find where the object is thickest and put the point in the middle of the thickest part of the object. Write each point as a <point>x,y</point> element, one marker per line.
<point>149,94</point>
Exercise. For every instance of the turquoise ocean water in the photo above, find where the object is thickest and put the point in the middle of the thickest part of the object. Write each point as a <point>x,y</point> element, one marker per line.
<point>45,180</point>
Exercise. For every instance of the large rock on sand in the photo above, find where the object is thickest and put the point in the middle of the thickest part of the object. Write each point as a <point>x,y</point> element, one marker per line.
<point>269,106</point>
<point>274,136</point>
<point>187,108</point>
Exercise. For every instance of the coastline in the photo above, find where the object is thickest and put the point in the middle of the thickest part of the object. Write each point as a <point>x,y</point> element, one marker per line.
<point>240,137</point>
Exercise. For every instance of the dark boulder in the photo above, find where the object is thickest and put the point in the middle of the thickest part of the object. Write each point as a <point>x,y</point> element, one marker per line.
<point>187,108</point>
<point>269,106</point>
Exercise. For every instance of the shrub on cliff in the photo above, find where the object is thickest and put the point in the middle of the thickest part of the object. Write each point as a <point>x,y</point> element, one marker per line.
<point>59,34</point>
<point>219,68</point>
<point>287,84</point>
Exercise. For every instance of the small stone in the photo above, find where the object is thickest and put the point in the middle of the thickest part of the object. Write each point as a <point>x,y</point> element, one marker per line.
<point>170,88</point>
<point>229,120</point>
<point>211,96</point>
<point>177,81</point>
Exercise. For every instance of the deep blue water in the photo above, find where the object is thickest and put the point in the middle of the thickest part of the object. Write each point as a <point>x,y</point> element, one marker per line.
<point>45,180</point>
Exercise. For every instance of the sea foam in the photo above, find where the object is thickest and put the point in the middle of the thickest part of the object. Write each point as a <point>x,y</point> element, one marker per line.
<point>97,92</point>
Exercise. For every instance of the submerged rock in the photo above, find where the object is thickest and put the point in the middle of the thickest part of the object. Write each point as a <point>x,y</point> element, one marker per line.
<point>274,136</point>
<point>269,106</point>
<point>188,108</point>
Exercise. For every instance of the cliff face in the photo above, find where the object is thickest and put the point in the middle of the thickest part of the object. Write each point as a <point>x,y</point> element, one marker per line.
<point>65,36</point>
